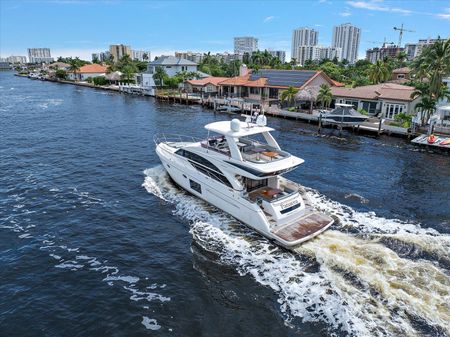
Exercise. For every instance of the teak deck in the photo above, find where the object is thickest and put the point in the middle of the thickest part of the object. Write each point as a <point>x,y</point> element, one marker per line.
<point>312,223</point>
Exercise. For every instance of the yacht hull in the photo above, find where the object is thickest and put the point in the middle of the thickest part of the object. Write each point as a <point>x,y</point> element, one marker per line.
<point>347,120</point>
<point>231,202</point>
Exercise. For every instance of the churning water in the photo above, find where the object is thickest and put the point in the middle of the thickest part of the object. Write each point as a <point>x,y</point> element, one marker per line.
<point>96,240</point>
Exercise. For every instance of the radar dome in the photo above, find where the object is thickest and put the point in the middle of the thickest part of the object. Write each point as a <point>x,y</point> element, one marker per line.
<point>235,125</point>
<point>261,120</point>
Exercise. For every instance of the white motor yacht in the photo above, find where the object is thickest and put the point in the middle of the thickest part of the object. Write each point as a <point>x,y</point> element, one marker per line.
<point>238,168</point>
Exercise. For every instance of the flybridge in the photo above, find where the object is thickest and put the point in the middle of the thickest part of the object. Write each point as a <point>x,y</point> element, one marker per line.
<point>240,141</point>
<point>241,129</point>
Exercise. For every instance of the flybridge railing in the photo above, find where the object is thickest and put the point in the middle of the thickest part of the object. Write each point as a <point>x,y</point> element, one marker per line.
<point>175,138</point>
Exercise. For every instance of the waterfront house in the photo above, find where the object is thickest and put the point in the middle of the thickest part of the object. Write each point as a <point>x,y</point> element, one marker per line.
<point>172,65</point>
<point>88,70</point>
<point>207,86</point>
<point>268,84</point>
<point>385,100</point>
<point>57,66</point>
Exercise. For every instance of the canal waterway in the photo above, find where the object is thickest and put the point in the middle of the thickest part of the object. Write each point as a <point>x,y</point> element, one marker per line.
<point>96,241</point>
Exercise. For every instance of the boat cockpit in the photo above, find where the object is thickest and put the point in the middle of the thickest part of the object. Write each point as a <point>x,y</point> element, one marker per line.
<point>251,149</point>
<point>270,189</point>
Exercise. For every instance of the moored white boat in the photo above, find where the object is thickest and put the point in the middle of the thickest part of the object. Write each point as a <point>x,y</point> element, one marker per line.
<point>344,114</point>
<point>238,168</point>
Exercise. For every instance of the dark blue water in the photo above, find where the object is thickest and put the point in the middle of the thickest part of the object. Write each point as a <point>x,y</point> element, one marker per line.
<point>87,250</point>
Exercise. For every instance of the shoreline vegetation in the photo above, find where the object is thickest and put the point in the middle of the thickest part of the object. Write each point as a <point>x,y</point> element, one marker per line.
<point>172,96</point>
<point>427,73</point>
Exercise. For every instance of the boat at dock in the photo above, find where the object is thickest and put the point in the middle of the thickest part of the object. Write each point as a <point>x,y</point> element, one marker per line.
<point>343,114</point>
<point>438,136</point>
<point>228,109</point>
<point>238,168</point>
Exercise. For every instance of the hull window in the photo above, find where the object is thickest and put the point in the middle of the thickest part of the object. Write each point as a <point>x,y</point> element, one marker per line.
<point>195,186</point>
<point>204,166</point>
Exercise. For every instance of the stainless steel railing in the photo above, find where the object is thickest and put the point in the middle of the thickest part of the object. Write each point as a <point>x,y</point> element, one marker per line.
<point>175,138</point>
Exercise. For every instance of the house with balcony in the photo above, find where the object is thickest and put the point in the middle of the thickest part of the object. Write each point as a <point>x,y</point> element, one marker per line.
<point>267,84</point>
<point>384,100</point>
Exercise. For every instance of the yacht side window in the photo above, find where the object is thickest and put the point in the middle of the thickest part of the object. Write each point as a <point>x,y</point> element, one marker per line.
<point>204,166</point>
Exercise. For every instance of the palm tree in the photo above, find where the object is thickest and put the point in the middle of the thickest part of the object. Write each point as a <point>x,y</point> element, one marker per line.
<point>74,66</point>
<point>427,105</point>
<point>288,95</point>
<point>159,76</point>
<point>257,58</point>
<point>266,58</point>
<point>401,58</point>
<point>275,62</point>
<point>325,96</point>
<point>436,59</point>
<point>128,71</point>
<point>293,62</point>
<point>427,101</point>
<point>379,72</point>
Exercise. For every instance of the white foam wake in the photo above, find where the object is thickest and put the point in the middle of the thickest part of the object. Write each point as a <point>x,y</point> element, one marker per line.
<point>360,286</point>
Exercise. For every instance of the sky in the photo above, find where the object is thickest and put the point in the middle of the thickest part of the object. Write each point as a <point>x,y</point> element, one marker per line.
<point>80,28</point>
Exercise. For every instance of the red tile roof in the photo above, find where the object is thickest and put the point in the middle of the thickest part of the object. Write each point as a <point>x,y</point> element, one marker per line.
<point>384,91</point>
<point>207,80</point>
<point>92,68</point>
<point>337,84</point>
<point>262,81</point>
<point>404,70</point>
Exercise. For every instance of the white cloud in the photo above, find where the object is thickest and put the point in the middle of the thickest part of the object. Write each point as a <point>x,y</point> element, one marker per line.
<point>269,18</point>
<point>345,13</point>
<point>445,16</point>
<point>317,25</point>
<point>377,6</point>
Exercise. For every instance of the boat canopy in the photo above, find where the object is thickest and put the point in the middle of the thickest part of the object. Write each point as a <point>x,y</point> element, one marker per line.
<point>245,129</point>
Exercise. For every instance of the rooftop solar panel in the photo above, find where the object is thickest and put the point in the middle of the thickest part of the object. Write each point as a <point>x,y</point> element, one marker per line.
<point>283,77</point>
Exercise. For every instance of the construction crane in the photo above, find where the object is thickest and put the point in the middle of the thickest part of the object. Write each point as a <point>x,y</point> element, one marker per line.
<point>401,30</point>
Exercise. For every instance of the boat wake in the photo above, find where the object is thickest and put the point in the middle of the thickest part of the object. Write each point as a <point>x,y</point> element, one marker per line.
<point>368,276</point>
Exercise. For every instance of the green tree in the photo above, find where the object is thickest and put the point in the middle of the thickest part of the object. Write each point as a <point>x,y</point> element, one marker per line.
<point>379,72</point>
<point>427,105</point>
<point>325,95</point>
<point>159,76</point>
<point>436,61</point>
<point>288,95</point>
<point>61,74</point>
<point>75,65</point>
<point>401,59</point>
<point>332,70</point>
<point>128,72</point>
